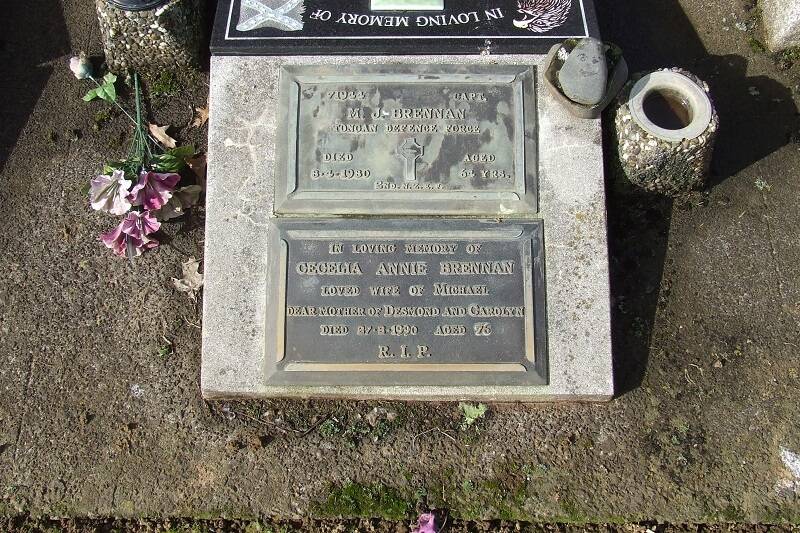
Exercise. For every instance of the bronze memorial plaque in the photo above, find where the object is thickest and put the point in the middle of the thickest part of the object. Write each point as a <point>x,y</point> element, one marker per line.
<point>404,139</point>
<point>405,302</point>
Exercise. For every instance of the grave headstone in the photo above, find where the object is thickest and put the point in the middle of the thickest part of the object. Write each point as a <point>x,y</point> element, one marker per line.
<point>401,223</point>
<point>333,27</point>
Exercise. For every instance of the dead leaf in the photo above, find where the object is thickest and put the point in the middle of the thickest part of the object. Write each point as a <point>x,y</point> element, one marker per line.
<point>201,118</point>
<point>197,164</point>
<point>192,280</point>
<point>160,133</point>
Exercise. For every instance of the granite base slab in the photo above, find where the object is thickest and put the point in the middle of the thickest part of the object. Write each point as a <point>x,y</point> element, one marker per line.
<point>240,208</point>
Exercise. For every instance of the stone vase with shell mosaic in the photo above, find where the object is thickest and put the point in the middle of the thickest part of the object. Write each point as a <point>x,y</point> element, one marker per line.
<point>666,126</point>
<point>167,36</point>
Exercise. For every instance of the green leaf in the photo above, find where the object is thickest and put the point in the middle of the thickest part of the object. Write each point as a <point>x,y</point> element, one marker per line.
<point>166,163</point>
<point>101,92</point>
<point>107,91</point>
<point>91,95</point>
<point>182,152</point>
<point>129,166</point>
<point>472,413</point>
<point>111,92</point>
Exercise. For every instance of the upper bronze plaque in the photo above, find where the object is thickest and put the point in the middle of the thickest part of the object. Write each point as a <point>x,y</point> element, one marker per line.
<point>402,139</point>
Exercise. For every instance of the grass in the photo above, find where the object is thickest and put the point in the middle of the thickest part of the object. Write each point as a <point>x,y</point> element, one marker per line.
<point>791,54</point>
<point>330,428</point>
<point>355,429</point>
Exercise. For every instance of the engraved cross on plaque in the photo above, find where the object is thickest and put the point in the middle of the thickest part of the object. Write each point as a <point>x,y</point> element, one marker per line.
<point>410,150</point>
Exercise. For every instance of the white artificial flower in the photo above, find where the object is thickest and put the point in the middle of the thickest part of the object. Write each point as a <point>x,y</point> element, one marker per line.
<point>81,67</point>
<point>110,193</point>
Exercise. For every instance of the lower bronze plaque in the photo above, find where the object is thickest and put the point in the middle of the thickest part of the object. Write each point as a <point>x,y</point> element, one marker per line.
<point>404,302</point>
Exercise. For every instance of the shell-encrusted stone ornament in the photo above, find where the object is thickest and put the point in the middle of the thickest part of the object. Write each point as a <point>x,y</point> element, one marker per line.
<point>149,41</point>
<point>666,126</point>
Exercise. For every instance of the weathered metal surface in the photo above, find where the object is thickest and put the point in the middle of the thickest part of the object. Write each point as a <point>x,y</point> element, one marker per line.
<point>400,302</point>
<point>407,139</point>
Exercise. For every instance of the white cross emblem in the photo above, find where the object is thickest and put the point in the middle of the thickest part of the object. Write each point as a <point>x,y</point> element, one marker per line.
<point>256,14</point>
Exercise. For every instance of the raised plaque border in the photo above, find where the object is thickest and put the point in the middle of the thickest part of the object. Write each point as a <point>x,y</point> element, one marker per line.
<point>280,373</point>
<point>522,202</point>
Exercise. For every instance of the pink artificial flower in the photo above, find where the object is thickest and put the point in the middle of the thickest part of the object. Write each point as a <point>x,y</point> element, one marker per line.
<point>153,190</point>
<point>110,193</point>
<point>425,524</point>
<point>131,236</point>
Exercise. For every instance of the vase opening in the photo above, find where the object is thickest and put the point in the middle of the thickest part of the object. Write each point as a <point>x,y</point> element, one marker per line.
<point>667,109</point>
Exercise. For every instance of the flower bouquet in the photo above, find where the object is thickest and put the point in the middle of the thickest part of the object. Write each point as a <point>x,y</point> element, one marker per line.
<point>146,188</point>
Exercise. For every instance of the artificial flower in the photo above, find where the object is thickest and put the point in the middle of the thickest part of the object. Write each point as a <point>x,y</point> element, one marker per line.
<point>153,190</point>
<point>182,199</point>
<point>425,524</point>
<point>131,236</point>
<point>81,67</point>
<point>110,193</point>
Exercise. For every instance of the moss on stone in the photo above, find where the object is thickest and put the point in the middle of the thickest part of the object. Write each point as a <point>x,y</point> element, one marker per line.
<point>355,500</point>
<point>572,512</point>
<point>475,500</point>
<point>782,514</point>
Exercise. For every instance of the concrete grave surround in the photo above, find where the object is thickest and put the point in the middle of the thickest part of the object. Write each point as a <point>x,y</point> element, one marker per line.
<point>240,203</point>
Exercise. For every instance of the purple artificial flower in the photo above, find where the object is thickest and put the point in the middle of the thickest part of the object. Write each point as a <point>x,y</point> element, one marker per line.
<point>153,190</point>
<point>110,193</point>
<point>131,236</point>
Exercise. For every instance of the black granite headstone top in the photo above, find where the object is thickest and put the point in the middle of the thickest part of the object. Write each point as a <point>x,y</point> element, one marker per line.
<point>344,27</point>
